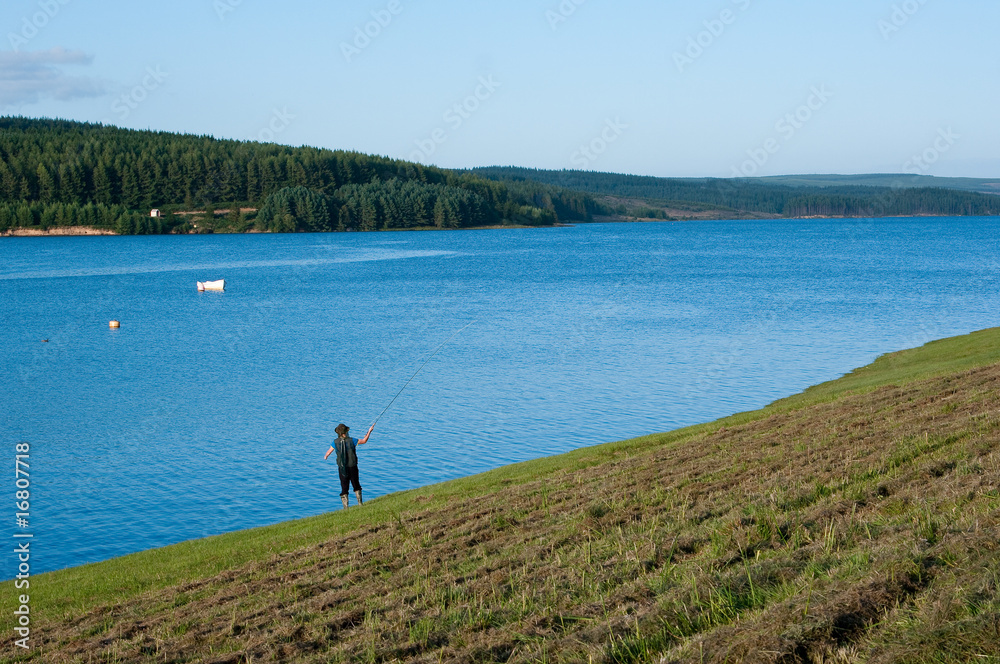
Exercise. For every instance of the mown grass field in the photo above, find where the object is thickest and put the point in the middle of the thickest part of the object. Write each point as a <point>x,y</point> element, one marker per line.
<point>856,522</point>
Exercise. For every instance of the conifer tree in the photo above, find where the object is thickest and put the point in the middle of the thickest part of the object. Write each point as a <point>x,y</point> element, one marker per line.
<point>46,184</point>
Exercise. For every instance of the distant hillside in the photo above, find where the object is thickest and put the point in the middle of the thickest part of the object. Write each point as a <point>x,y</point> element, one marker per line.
<point>892,180</point>
<point>804,196</point>
<point>856,522</point>
<point>58,174</point>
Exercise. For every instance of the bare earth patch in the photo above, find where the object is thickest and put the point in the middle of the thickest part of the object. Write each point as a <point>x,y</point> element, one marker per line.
<point>60,230</point>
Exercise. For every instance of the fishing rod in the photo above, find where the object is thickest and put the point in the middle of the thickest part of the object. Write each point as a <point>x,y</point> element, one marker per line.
<point>418,371</point>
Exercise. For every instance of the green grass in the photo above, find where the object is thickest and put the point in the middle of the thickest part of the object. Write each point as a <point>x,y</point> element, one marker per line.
<point>78,588</point>
<point>672,543</point>
<point>937,358</point>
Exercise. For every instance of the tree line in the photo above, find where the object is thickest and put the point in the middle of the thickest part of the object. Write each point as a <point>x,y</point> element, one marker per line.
<point>383,206</point>
<point>117,218</point>
<point>79,164</point>
<point>749,195</point>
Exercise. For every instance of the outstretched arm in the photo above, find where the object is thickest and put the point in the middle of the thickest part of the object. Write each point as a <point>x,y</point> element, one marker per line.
<point>367,435</point>
<point>328,453</point>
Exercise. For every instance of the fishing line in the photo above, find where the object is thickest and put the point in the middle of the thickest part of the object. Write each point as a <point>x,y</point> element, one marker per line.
<point>418,371</point>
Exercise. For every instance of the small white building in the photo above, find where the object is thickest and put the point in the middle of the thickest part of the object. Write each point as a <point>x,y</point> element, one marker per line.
<point>155,213</point>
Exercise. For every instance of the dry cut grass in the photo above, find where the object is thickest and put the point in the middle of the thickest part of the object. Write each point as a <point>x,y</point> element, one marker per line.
<point>864,529</point>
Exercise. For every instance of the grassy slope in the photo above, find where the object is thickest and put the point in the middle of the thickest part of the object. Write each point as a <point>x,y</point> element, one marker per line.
<point>860,518</point>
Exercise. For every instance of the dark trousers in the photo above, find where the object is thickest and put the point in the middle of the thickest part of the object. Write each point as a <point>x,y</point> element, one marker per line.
<point>349,476</point>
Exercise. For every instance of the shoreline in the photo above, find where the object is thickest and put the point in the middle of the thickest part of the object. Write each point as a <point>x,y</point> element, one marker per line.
<point>711,513</point>
<point>862,379</point>
<point>79,231</point>
<point>67,231</point>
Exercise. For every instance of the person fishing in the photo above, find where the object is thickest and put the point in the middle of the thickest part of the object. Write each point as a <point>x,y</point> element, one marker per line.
<point>347,447</point>
<point>347,461</point>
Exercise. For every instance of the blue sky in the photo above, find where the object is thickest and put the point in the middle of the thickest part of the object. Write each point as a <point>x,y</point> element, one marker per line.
<point>670,88</point>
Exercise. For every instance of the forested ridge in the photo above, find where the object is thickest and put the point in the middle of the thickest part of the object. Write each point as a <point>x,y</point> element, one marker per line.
<point>760,197</point>
<point>56,173</point>
<point>62,173</point>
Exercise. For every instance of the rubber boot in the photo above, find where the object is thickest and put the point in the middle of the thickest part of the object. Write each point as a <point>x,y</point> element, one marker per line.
<point>343,499</point>
<point>358,494</point>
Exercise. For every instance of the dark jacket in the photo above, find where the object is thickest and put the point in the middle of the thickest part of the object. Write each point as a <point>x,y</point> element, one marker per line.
<point>347,452</point>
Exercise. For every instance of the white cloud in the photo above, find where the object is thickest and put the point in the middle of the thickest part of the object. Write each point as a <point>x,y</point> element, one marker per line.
<point>28,77</point>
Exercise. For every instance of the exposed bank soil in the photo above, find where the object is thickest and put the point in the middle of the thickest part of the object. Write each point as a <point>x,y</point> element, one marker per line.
<point>678,211</point>
<point>866,529</point>
<point>56,230</point>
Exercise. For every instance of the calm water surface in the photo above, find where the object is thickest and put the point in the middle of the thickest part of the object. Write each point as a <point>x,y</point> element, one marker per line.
<point>210,412</point>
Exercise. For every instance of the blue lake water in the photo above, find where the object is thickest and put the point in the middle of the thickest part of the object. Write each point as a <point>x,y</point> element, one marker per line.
<point>211,412</point>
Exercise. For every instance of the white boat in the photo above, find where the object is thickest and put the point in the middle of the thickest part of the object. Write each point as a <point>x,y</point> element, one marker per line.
<point>219,285</point>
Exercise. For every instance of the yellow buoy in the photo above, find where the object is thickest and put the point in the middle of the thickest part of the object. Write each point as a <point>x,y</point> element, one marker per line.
<point>114,325</point>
